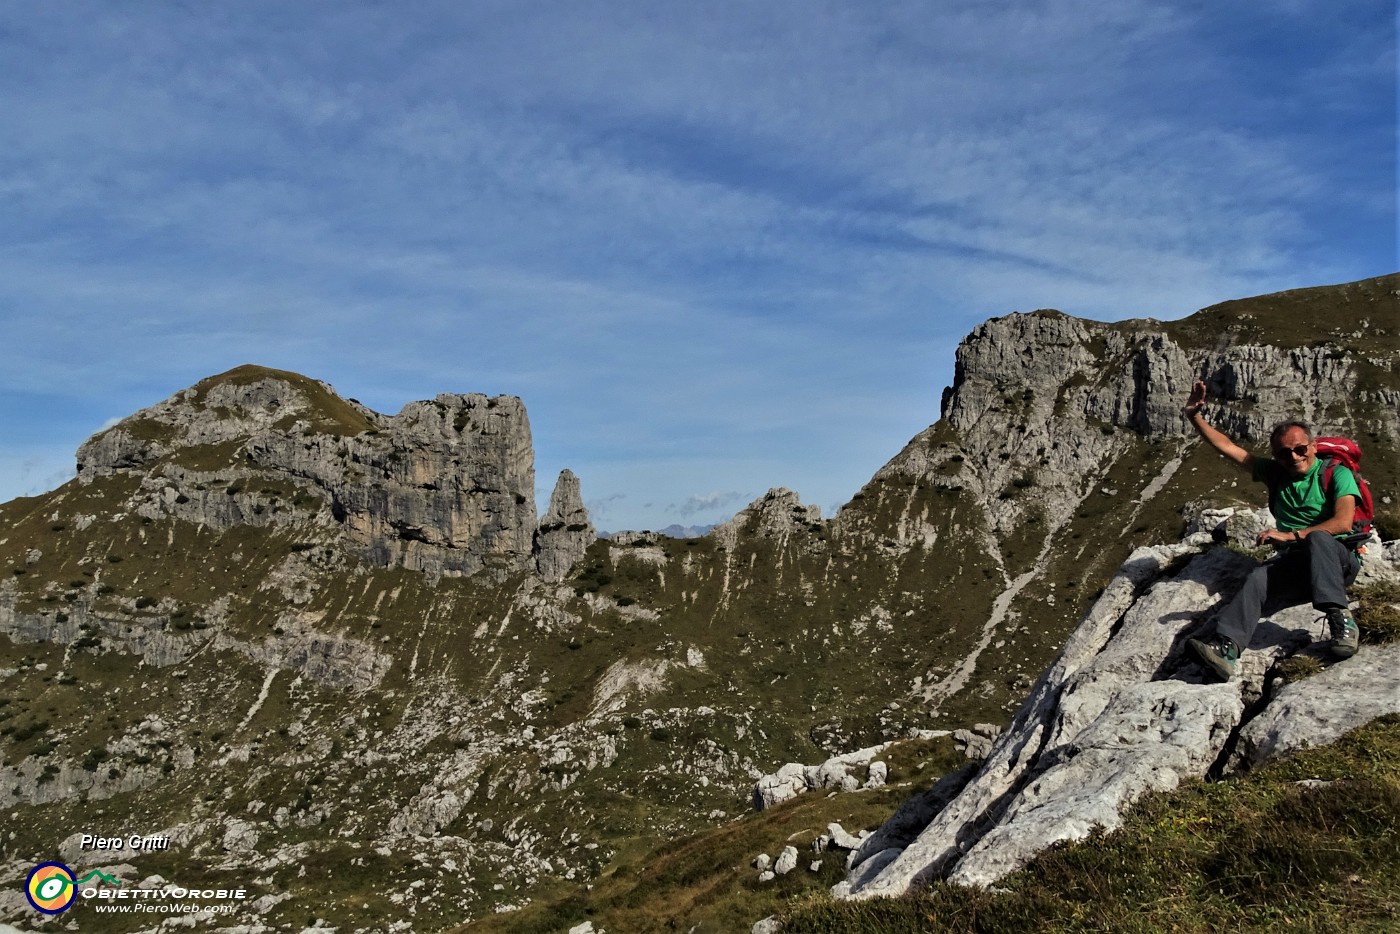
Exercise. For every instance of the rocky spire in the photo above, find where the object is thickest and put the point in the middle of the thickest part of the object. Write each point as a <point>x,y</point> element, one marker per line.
<point>565,531</point>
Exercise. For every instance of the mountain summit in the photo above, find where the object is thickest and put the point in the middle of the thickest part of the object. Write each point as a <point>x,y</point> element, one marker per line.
<point>445,486</point>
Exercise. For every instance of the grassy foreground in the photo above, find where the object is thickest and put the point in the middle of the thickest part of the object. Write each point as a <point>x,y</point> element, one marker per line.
<point>1310,842</point>
<point>1307,843</point>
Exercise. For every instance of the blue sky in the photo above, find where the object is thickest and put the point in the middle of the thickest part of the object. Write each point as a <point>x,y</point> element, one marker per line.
<point>715,247</point>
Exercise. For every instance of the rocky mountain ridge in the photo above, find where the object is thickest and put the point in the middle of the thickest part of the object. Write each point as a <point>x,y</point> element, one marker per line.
<point>305,636</point>
<point>445,486</point>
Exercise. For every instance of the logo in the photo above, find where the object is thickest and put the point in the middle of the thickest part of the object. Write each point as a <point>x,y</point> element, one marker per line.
<point>51,888</point>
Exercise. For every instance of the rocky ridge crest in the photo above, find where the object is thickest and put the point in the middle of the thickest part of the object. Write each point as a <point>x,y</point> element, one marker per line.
<point>446,486</point>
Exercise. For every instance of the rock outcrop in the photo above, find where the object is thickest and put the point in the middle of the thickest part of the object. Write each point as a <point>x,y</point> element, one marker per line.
<point>446,486</point>
<point>1318,710</point>
<point>1123,712</point>
<point>776,514</point>
<point>564,532</point>
<point>842,773</point>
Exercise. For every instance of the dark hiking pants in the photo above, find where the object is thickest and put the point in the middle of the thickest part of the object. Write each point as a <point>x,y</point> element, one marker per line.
<point>1317,570</point>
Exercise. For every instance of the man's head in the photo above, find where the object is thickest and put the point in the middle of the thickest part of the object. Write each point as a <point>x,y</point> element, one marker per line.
<point>1292,446</point>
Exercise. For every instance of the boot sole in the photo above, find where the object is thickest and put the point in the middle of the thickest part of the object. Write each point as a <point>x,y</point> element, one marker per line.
<point>1342,651</point>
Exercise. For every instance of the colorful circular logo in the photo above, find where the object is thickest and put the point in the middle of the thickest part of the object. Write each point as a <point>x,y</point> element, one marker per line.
<point>51,888</point>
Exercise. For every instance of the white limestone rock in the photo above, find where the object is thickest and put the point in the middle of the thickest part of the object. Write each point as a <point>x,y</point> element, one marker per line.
<point>240,837</point>
<point>840,838</point>
<point>778,514</point>
<point>794,778</point>
<point>976,743</point>
<point>1318,710</point>
<point>788,782</point>
<point>865,872</point>
<point>1120,713</point>
<point>787,861</point>
<point>910,819</point>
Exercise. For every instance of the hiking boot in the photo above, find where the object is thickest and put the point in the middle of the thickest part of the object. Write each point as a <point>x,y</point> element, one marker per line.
<point>1345,635</point>
<point>1219,655</point>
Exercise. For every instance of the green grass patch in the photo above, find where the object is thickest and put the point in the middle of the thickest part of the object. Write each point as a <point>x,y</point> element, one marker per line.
<point>1378,613</point>
<point>706,882</point>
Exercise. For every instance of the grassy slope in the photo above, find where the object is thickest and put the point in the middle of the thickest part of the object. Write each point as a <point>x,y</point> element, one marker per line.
<point>706,883</point>
<point>1273,851</point>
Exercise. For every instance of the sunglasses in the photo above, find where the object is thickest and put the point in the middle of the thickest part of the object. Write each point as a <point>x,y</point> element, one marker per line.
<point>1298,450</point>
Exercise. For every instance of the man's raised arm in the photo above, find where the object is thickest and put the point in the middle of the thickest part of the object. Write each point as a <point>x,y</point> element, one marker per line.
<point>1212,436</point>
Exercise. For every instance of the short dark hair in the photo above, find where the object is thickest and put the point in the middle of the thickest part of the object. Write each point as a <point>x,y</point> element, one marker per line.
<point>1282,429</point>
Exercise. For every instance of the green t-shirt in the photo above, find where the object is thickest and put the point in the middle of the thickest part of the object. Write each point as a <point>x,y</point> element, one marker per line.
<point>1298,502</point>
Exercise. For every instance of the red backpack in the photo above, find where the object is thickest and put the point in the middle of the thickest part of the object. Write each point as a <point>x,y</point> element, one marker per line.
<point>1347,452</point>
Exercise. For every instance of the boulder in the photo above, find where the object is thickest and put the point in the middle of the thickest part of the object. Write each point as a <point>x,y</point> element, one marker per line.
<point>794,778</point>
<point>787,861</point>
<point>840,838</point>
<point>1318,710</point>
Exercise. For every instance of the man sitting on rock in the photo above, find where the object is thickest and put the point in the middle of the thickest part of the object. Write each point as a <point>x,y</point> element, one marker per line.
<point>1312,563</point>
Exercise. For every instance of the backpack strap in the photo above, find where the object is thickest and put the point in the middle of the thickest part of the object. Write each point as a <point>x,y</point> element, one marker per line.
<point>1358,533</point>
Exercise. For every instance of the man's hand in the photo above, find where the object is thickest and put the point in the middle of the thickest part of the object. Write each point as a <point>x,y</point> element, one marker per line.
<point>1196,399</point>
<point>1229,449</point>
<point>1274,537</point>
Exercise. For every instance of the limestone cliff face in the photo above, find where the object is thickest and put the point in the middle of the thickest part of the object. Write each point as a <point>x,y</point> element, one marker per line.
<point>1061,448</point>
<point>446,486</point>
<point>1038,398</point>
